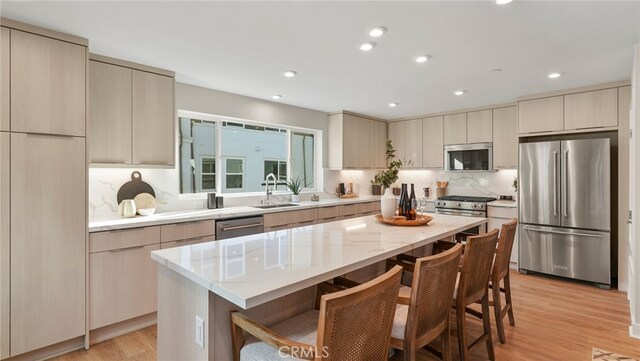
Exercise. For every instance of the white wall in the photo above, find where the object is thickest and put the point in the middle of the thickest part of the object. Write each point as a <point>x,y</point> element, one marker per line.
<point>105,182</point>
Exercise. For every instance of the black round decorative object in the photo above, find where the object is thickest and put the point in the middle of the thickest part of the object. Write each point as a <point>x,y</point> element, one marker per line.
<point>134,187</point>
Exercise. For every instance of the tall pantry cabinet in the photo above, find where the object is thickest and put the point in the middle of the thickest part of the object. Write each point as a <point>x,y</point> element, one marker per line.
<point>43,226</point>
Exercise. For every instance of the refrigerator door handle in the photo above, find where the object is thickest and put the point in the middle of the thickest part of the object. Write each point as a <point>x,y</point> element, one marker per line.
<point>555,188</point>
<point>563,233</point>
<point>564,184</point>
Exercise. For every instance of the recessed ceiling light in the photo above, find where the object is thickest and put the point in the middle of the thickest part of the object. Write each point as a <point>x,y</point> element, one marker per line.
<point>503,2</point>
<point>393,105</point>
<point>422,58</point>
<point>276,97</point>
<point>496,70</point>
<point>553,75</point>
<point>459,92</point>
<point>367,46</point>
<point>289,73</point>
<point>377,31</point>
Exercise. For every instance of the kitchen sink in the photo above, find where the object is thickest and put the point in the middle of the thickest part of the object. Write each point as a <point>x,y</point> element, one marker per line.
<point>270,206</point>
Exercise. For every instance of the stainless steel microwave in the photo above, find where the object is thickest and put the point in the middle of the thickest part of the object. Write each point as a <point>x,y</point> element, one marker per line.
<point>468,157</point>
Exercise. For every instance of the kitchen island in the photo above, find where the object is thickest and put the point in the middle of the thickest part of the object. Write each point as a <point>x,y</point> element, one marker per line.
<point>269,276</point>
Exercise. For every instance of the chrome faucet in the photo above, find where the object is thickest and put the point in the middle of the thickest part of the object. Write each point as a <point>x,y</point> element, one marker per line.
<point>266,185</point>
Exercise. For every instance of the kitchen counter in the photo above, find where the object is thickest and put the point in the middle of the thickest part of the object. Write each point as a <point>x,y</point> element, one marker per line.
<point>271,276</point>
<point>205,214</point>
<point>500,203</point>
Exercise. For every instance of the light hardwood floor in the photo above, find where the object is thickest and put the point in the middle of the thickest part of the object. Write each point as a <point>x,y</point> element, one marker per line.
<point>555,320</point>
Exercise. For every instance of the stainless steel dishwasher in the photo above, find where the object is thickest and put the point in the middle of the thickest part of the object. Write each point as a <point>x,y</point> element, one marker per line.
<point>237,227</point>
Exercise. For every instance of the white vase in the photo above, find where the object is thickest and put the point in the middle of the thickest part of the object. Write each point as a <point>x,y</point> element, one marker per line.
<point>388,204</point>
<point>295,198</point>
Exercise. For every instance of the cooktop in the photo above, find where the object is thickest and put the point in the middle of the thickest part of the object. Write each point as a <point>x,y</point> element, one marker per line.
<point>456,198</point>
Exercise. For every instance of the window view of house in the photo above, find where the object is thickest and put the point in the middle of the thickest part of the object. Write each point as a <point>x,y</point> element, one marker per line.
<point>248,153</point>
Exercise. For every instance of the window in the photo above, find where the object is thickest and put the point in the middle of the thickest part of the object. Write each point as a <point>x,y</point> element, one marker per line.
<point>234,173</point>
<point>208,174</point>
<point>224,155</point>
<point>279,169</point>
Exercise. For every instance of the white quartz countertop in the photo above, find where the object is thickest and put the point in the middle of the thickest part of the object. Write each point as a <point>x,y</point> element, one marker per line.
<point>499,203</point>
<point>252,270</point>
<point>204,214</point>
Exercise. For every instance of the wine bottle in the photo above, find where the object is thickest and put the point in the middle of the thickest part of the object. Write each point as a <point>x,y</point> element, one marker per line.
<point>403,200</point>
<point>412,205</point>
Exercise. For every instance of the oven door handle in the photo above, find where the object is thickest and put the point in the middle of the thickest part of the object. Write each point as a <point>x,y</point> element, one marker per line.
<point>450,213</point>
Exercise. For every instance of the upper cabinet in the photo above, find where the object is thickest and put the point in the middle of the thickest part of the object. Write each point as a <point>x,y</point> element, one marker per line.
<point>131,114</point>
<point>480,126</point>
<point>541,115</point>
<point>397,136</point>
<point>48,85</point>
<point>356,142</point>
<point>455,128</point>
<point>432,142</point>
<point>109,113</point>
<point>406,138</point>
<point>579,110</point>
<point>593,109</point>
<point>5,74</point>
<point>505,137</point>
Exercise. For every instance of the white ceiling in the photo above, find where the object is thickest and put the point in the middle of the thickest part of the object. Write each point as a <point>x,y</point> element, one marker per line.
<point>243,47</point>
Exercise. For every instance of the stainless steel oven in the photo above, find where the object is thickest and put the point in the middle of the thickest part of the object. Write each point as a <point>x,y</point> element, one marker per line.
<point>468,157</point>
<point>469,206</point>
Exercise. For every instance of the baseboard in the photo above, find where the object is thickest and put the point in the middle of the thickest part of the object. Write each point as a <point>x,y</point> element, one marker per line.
<point>51,351</point>
<point>634,330</point>
<point>122,328</point>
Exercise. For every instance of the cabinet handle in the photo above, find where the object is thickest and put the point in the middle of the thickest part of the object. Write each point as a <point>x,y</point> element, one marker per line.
<point>309,221</point>
<point>126,248</point>
<point>563,233</point>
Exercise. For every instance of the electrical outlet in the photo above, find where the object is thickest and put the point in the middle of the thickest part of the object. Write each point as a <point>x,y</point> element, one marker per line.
<point>199,332</point>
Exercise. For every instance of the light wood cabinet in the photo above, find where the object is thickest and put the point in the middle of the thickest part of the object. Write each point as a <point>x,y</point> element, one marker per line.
<point>289,219</point>
<point>496,217</point>
<point>5,242</point>
<point>480,126</point>
<point>123,285</point>
<point>48,83</point>
<point>541,115</point>
<point>5,75</point>
<point>356,142</point>
<point>349,210</point>
<point>187,230</point>
<point>592,109</point>
<point>505,137</point>
<point>153,119</point>
<point>433,142</point>
<point>123,238</point>
<point>413,143</point>
<point>110,100</point>
<point>379,144</point>
<point>328,214</point>
<point>368,208</point>
<point>397,133</point>
<point>455,129</point>
<point>187,242</point>
<point>48,260</point>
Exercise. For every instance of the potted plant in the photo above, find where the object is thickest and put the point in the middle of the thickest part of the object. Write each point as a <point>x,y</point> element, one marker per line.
<point>386,178</point>
<point>295,186</point>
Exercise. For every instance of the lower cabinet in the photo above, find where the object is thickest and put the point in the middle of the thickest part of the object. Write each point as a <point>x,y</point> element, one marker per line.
<point>290,219</point>
<point>497,216</point>
<point>122,275</point>
<point>328,214</point>
<point>48,240</point>
<point>5,259</point>
<point>123,285</point>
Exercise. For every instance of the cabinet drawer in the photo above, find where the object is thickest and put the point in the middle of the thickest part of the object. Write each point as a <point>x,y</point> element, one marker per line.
<point>123,285</point>
<point>187,230</point>
<point>502,212</point>
<point>281,218</point>
<point>328,212</point>
<point>187,242</point>
<point>369,207</point>
<point>349,210</point>
<point>125,238</point>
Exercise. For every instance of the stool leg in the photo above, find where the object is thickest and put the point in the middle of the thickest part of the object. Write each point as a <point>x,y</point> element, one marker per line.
<point>446,343</point>
<point>462,333</point>
<point>497,310</point>
<point>507,296</point>
<point>486,323</point>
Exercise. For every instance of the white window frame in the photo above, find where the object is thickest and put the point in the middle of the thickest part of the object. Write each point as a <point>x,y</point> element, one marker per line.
<point>218,119</point>
<point>225,160</point>
<point>202,173</point>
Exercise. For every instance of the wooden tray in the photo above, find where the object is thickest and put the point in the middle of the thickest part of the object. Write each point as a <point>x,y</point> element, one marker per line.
<point>420,220</point>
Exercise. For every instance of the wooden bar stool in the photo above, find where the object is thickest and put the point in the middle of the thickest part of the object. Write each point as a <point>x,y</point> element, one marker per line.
<point>500,272</point>
<point>473,286</point>
<point>353,324</point>
<point>424,315</point>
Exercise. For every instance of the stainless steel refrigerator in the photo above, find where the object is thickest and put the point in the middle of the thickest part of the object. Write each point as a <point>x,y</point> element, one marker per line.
<point>565,209</point>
